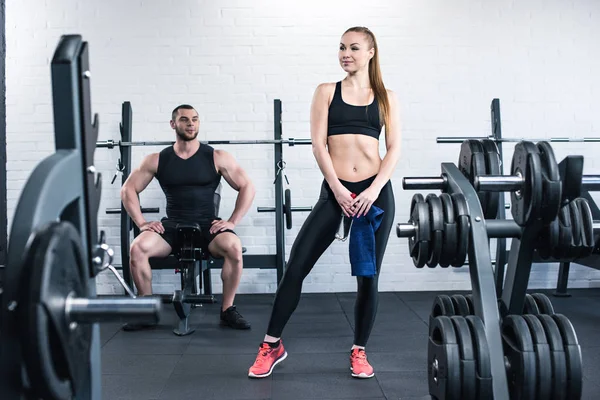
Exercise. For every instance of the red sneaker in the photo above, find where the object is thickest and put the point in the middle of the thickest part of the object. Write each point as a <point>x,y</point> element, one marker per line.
<point>359,365</point>
<point>268,357</point>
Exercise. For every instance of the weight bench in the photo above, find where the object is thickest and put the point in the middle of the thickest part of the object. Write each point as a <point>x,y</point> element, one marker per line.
<point>190,260</point>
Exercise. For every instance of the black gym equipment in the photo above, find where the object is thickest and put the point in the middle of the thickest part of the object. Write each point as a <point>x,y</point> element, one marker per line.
<point>533,347</point>
<point>49,334</point>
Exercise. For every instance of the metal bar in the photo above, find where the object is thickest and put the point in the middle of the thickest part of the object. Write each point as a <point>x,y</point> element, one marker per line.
<point>503,228</point>
<point>495,229</point>
<point>294,209</point>
<point>460,139</point>
<point>291,142</point>
<point>518,271</point>
<point>279,217</point>
<point>498,183</point>
<point>561,282</point>
<point>126,223</point>
<point>482,277</point>
<point>84,310</point>
<point>591,182</point>
<point>3,203</point>
<point>501,254</point>
<point>146,210</point>
<point>416,183</point>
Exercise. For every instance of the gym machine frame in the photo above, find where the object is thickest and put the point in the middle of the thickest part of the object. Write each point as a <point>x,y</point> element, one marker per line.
<point>282,207</point>
<point>45,295</point>
<point>480,269</point>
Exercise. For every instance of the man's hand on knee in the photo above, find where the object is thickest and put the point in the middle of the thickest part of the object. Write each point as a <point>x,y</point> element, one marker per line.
<point>219,225</point>
<point>154,226</point>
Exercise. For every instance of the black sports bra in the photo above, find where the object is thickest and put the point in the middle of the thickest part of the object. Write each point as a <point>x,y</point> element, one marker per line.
<point>345,118</point>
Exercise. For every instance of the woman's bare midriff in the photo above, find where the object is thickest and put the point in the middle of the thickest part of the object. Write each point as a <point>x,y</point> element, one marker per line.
<point>355,157</point>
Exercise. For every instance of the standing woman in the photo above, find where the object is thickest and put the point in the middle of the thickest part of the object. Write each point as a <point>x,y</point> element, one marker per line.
<point>346,122</point>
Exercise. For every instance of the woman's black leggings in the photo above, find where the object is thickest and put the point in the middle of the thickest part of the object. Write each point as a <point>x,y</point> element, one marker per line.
<point>315,236</point>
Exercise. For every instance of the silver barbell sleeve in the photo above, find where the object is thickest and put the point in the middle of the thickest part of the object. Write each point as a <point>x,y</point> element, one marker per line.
<point>89,310</point>
<point>496,228</point>
<point>417,183</point>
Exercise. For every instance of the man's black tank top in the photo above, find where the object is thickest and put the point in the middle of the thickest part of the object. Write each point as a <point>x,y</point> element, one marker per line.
<point>189,185</point>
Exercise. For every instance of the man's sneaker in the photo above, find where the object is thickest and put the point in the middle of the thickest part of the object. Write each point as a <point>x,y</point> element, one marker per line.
<point>268,357</point>
<point>232,318</point>
<point>359,365</point>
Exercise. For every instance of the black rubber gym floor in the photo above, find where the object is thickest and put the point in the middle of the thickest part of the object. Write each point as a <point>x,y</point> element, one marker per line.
<point>212,363</point>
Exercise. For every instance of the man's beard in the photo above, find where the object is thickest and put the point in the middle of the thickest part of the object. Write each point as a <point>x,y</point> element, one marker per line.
<point>185,136</point>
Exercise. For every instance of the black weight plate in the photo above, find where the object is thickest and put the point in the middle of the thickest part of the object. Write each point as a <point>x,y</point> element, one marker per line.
<point>56,355</point>
<point>544,304</point>
<point>576,224</point>
<point>419,243</point>
<point>461,307</point>
<point>287,208</point>
<point>469,299</point>
<point>482,357</point>
<point>443,360</point>
<point>450,233</point>
<point>559,360</point>
<point>587,227</point>
<point>573,356</point>
<point>549,239</point>
<point>530,306</point>
<point>467,358</point>
<point>565,233</point>
<point>461,214</point>
<point>552,185</point>
<point>442,305</point>
<point>519,352</point>
<point>471,162</point>
<point>492,166</point>
<point>544,361</point>
<point>436,218</point>
<point>526,203</point>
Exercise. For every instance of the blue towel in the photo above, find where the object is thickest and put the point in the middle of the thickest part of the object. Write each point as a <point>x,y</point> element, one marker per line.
<point>362,242</point>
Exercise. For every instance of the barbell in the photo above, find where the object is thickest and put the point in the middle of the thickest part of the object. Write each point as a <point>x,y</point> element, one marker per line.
<point>455,139</point>
<point>291,142</point>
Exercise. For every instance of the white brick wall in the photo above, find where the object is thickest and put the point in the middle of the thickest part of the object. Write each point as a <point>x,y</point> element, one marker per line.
<point>231,58</point>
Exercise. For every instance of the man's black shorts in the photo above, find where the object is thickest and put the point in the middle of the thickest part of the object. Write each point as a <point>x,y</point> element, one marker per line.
<point>170,234</point>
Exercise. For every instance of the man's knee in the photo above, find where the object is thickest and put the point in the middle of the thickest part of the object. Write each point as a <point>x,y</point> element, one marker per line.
<point>139,250</point>
<point>231,247</point>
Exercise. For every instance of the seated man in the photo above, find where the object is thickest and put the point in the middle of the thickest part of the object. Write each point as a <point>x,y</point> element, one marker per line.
<point>189,173</point>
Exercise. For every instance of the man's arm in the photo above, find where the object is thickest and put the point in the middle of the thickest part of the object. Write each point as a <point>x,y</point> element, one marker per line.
<point>237,178</point>
<point>136,182</point>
